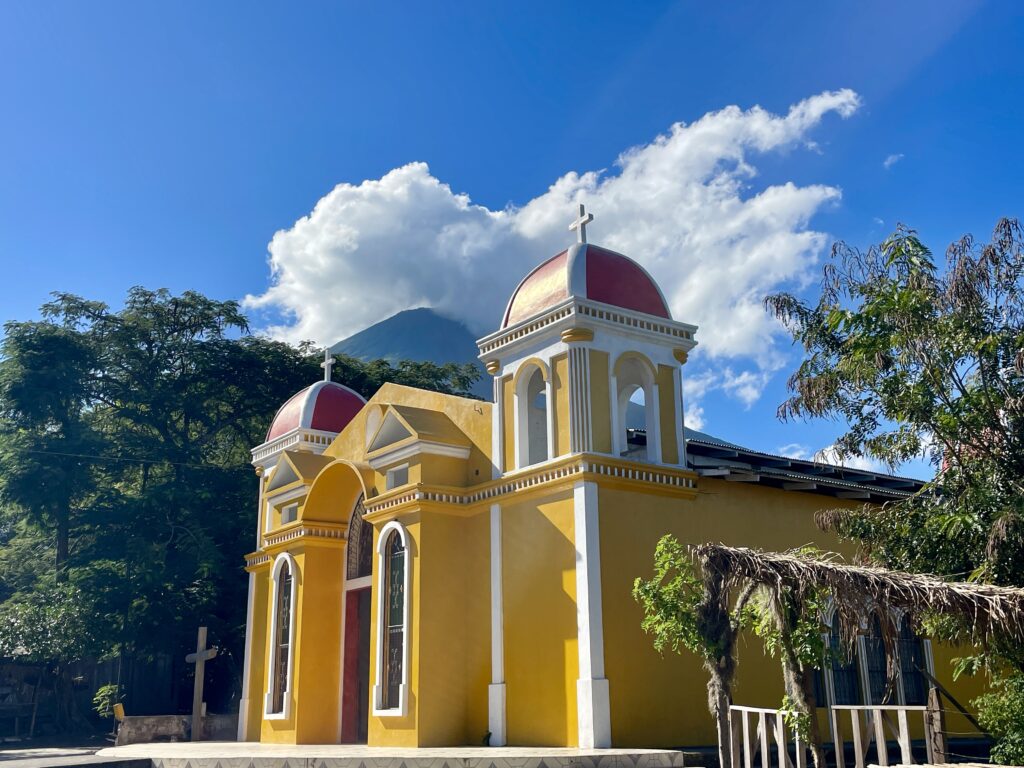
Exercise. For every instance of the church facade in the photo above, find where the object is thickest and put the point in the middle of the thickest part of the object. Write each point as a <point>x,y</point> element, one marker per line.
<point>430,570</point>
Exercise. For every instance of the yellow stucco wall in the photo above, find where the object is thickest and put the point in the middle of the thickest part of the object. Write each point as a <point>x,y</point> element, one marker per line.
<point>508,445</point>
<point>668,403</point>
<point>600,402</point>
<point>661,701</point>
<point>455,593</point>
<point>541,657</point>
<point>560,372</point>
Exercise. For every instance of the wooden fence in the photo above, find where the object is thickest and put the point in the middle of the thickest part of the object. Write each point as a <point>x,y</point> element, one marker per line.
<point>753,730</point>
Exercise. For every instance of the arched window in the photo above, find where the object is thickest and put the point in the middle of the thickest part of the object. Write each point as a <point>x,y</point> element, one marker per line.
<point>874,661</point>
<point>282,633</point>
<point>845,684</point>
<point>359,553</point>
<point>532,420</point>
<point>636,409</point>
<point>391,689</point>
<point>912,661</point>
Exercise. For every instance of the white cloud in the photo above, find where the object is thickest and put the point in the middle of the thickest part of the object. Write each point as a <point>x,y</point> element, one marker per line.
<point>693,417</point>
<point>794,451</point>
<point>891,160</point>
<point>685,205</point>
<point>829,455</point>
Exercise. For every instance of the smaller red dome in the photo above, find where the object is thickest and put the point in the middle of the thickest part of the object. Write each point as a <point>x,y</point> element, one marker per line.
<point>588,272</point>
<point>326,406</point>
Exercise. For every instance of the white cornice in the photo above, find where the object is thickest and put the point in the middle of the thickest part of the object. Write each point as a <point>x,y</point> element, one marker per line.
<point>415,449</point>
<point>576,312</point>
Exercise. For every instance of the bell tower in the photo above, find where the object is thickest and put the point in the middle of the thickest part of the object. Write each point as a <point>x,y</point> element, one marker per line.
<point>587,385</point>
<point>588,360</point>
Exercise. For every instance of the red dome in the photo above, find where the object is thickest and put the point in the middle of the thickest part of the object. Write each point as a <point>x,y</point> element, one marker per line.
<point>326,406</point>
<point>587,272</point>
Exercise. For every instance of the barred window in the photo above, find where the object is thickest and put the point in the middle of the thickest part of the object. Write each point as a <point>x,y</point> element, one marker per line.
<point>283,638</point>
<point>912,661</point>
<point>394,620</point>
<point>844,669</point>
<point>359,557</point>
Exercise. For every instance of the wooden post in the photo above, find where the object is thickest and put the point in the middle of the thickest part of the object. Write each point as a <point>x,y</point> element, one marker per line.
<point>734,738</point>
<point>880,748</point>
<point>837,737</point>
<point>766,753</point>
<point>858,739</point>
<point>935,728</point>
<point>748,761</point>
<point>199,658</point>
<point>906,756</point>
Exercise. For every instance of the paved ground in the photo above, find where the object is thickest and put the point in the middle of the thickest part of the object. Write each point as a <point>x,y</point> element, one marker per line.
<point>58,757</point>
<point>251,755</point>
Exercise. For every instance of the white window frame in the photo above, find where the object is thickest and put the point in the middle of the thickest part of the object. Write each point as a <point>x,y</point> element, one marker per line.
<point>389,478</point>
<point>281,561</point>
<point>378,688</point>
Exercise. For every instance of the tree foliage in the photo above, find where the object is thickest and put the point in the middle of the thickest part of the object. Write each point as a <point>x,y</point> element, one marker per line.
<point>124,468</point>
<point>919,358</point>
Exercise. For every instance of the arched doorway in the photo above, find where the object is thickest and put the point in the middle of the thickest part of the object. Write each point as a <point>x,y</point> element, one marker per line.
<point>356,674</point>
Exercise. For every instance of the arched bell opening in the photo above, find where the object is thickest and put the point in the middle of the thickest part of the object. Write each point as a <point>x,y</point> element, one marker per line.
<point>533,419</point>
<point>637,433</point>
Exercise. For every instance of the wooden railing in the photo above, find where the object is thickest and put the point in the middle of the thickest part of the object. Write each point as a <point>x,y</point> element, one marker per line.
<point>870,723</point>
<point>749,740</point>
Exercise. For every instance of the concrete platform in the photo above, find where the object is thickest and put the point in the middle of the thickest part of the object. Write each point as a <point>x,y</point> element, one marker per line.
<point>253,755</point>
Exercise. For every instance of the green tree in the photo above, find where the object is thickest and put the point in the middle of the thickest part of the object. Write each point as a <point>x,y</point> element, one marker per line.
<point>921,359</point>
<point>124,462</point>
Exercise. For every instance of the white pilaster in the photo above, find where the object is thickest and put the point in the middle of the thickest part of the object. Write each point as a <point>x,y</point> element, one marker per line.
<point>592,697</point>
<point>243,703</point>
<point>496,690</point>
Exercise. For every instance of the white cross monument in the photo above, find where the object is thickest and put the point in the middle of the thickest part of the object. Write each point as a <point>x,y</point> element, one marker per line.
<point>199,658</point>
<point>580,225</point>
<point>328,363</point>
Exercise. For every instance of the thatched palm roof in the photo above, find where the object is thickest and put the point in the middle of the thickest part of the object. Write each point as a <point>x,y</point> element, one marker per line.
<point>988,613</point>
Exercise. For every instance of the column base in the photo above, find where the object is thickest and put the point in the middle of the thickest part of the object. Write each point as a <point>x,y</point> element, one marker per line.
<point>594,714</point>
<point>496,714</point>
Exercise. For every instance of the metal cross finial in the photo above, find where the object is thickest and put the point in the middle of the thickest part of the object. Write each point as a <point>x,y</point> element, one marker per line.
<point>580,225</point>
<point>328,363</point>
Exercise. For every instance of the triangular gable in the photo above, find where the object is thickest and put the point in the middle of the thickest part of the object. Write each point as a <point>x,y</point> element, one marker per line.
<point>296,465</point>
<point>393,429</point>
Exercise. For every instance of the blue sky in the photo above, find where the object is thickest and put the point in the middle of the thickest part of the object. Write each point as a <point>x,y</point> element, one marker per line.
<point>165,145</point>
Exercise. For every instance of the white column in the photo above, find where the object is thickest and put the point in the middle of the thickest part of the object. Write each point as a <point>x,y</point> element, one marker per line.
<point>496,690</point>
<point>592,702</point>
<point>243,703</point>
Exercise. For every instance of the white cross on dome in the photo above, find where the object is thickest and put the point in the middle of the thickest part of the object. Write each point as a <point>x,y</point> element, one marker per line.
<point>580,225</point>
<point>328,363</point>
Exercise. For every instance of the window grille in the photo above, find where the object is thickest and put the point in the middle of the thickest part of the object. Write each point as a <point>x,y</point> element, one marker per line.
<point>359,558</point>
<point>394,629</point>
<point>284,620</point>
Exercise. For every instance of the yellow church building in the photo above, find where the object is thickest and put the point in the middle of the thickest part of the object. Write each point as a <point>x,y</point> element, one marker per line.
<point>430,570</point>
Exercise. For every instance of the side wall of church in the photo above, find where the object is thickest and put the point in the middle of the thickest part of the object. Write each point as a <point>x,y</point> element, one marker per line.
<point>541,657</point>
<point>455,635</point>
<point>660,701</point>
